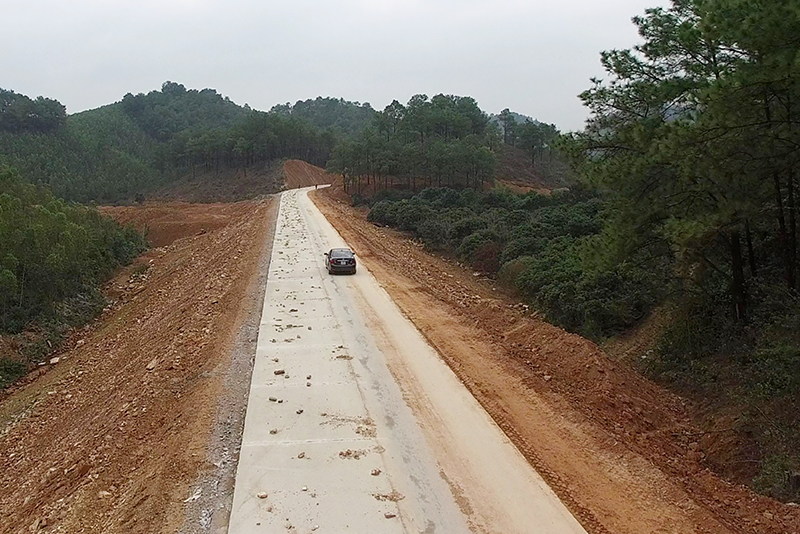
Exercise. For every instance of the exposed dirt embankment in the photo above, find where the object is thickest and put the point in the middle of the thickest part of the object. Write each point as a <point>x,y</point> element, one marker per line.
<point>224,184</point>
<point>114,436</point>
<point>620,451</point>
<point>165,222</point>
<point>301,174</point>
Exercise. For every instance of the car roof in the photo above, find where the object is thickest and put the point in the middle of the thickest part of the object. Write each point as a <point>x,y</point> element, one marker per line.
<point>341,252</point>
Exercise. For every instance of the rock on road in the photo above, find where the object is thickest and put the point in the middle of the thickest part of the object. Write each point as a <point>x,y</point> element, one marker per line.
<point>354,424</point>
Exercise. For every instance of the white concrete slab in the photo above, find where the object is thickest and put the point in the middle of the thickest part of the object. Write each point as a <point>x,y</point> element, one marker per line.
<point>382,438</point>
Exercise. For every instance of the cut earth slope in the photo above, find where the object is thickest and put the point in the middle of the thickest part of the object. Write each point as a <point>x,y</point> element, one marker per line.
<point>117,436</point>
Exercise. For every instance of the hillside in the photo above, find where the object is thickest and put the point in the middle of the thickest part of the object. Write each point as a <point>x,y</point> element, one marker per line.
<point>140,145</point>
<point>515,171</point>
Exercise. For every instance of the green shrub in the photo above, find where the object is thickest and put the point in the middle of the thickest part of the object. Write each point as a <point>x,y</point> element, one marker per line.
<point>774,479</point>
<point>486,258</point>
<point>510,271</point>
<point>433,232</point>
<point>775,370</point>
<point>470,244</point>
<point>10,371</point>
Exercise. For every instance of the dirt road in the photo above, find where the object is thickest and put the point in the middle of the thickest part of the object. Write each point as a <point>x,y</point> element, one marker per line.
<point>354,424</point>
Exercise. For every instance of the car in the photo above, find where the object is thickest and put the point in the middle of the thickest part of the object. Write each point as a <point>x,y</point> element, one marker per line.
<point>340,260</point>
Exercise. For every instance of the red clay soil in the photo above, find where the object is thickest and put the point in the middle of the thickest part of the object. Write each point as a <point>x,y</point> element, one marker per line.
<point>111,437</point>
<point>620,451</point>
<point>165,222</point>
<point>301,174</point>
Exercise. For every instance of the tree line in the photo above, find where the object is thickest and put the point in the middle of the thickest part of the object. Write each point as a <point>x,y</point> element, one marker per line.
<point>19,113</point>
<point>695,138</point>
<point>52,250</point>
<point>53,257</point>
<point>443,140</point>
<point>536,138</point>
<point>693,141</point>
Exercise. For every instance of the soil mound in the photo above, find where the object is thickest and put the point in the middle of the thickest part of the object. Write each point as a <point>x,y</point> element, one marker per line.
<point>165,222</point>
<point>301,174</point>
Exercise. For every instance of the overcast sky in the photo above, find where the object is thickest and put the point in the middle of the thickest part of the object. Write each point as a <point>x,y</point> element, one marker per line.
<point>532,56</point>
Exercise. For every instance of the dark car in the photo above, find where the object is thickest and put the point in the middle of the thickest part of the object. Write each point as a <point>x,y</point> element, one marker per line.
<point>340,260</point>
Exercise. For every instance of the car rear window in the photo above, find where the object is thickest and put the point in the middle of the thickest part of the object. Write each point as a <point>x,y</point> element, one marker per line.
<point>339,253</point>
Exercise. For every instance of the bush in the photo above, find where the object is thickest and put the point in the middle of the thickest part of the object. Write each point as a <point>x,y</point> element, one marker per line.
<point>465,227</point>
<point>510,271</point>
<point>383,212</point>
<point>10,371</point>
<point>486,258</point>
<point>433,232</point>
<point>775,370</point>
<point>470,244</point>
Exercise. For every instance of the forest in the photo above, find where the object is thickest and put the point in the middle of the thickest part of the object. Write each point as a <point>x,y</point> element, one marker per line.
<point>53,257</point>
<point>127,150</point>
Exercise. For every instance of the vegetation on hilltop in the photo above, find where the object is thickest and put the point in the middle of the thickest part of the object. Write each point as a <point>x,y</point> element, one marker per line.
<point>18,113</point>
<point>174,110</point>
<point>335,114</point>
<point>122,151</point>
<point>442,140</point>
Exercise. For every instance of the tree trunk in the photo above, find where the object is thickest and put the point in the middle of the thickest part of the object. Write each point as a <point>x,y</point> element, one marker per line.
<point>738,289</point>
<point>782,233</point>
<point>792,252</point>
<point>750,254</point>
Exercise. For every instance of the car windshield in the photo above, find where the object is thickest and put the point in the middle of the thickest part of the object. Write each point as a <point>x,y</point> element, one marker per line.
<point>341,253</point>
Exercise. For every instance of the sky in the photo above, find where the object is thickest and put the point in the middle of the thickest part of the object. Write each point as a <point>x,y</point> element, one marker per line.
<point>531,56</point>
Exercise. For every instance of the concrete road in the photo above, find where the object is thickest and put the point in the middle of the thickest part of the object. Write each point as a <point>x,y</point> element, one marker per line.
<point>354,424</point>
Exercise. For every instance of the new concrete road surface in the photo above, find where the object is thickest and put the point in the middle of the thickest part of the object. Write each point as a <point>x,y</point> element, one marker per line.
<point>354,424</point>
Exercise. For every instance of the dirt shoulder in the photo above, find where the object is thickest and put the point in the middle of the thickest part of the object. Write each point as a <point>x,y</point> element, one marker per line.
<point>621,452</point>
<point>123,430</point>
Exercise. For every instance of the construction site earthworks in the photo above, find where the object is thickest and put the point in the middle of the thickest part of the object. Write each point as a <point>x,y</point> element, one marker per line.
<point>138,424</point>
